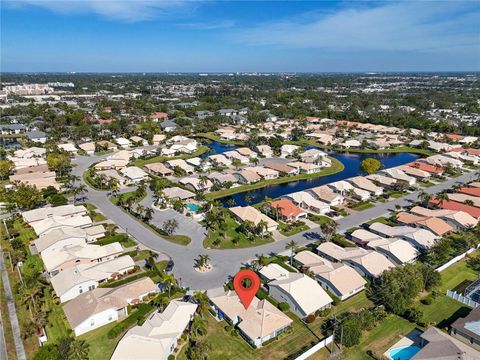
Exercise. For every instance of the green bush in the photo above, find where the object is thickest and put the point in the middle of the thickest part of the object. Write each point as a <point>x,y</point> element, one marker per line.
<point>310,318</point>
<point>133,318</point>
<point>427,301</point>
<point>171,357</point>
<point>284,306</point>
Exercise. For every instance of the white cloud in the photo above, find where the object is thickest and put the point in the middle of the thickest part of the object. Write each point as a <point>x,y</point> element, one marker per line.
<point>405,26</point>
<point>123,10</point>
<point>225,24</point>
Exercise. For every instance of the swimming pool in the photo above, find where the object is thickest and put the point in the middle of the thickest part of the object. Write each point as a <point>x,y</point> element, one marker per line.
<point>192,207</point>
<point>403,353</point>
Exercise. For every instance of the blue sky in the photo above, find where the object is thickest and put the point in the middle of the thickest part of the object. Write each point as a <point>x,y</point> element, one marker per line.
<point>210,36</point>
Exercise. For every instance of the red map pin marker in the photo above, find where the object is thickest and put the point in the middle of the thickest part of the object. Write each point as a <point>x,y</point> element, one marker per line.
<point>246,294</point>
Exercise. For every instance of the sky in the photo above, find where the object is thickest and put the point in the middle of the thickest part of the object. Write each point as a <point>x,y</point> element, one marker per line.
<point>231,36</point>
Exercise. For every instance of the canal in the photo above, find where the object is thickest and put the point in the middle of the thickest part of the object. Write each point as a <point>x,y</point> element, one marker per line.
<point>351,161</point>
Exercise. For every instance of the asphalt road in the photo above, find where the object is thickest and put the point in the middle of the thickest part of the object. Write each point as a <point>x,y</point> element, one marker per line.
<point>227,262</point>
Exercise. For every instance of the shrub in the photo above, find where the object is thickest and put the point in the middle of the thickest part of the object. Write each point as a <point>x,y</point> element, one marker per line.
<point>133,318</point>
<point>413,315</point>
<point>284,306</point>
<point>324,312</point>
<point>427,301</point>
<point>171,357</point>
<point>310,318</point>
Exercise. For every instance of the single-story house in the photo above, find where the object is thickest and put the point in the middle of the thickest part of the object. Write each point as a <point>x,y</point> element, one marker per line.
<point>243,213</point>
<point>287,209</point>
<point>159,169</point>
<point>134,174</point>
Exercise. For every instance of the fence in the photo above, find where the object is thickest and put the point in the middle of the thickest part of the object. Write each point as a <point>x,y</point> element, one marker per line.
<point>454,260</point>
<point>459,297</point>
<point>315,348</point>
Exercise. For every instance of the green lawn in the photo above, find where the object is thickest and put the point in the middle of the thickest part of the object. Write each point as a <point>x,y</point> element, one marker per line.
<point>201,150</point>
<point>382,220</point>
<point>97,217</point>
<point>425,183</point>
<point>360,206</point>
<point>336,167</point>
<point>124,239</point>
<point>319,219</point>
<point>291,229</point>
<point>101,347</point>
<point>230,234</point>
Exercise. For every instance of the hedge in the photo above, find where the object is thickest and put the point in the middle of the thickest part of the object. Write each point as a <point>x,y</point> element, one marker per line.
<point>133,318</point>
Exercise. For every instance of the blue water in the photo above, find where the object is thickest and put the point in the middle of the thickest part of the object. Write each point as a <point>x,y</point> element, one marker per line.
<point>351,161</point>
<point>218,148</point>
<point>403,353</point>
<point>192,207</point>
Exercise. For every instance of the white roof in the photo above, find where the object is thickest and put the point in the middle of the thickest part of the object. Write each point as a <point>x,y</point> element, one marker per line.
<point>42,213</point>
<point>153,338</point>
<point>273,272</point>
<point>77,275</point>
<point>133,173</point>
<point>401,249</point>
<point>55,222</point>
<point>54,236</point>
<point>305,291</point>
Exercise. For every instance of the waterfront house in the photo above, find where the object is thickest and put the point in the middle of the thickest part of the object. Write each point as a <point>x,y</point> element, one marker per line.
<point>265,150</point>
<point>264,173</point>
<point>365,184</point>
<point>288,150</point>
<point>197,184</point>
<point>282,168</point>
<point>305,200</point>
<point>287,210</point>
<point>247,176</point>
<point>327,195</point>
<point>305,168</point>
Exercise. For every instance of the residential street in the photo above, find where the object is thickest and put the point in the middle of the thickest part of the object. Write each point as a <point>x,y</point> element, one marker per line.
<point>225,262</point>
<point>17,337</point>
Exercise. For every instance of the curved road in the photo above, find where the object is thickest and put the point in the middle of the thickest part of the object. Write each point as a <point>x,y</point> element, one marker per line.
<point>227,262</point>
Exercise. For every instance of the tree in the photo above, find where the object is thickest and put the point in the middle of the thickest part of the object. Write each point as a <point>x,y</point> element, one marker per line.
<point>442,197</point>
<point>370,165</point>
<point>203,302</point>
<point>6,167</point>
<point>328,228</point>
<point>425,197</point>
<point>169,226</point>
<point>197,350</point>
<point>148,214</point>
<point>260,261</point>
<point>78,350</point>
<point>199,326</point>
<point>58,200</point>
<point>58,162</point>
<point>291,245</point>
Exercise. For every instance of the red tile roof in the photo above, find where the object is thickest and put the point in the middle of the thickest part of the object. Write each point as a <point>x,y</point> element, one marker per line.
<point>426,167</point>
<point>456,206</point>
<point>475,191</point>
<point>105,121</point>
<point>159,115</point>
<point>455,137</point>
<point>287,208</point>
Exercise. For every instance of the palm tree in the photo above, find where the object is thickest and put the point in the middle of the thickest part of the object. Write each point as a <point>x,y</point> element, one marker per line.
<point>148,214</point>
<point>260,261</point>
<point>469,202</point>
<point>169,280</point>
<point>442,197</point>
<point>140,209</point>
<point>262,227</point>
<point>199,326</point>
<point>424,197</point>
<point>78,350</point>
<point>328,228</point>
<point>202,300</point>
<point>291,245</point>
<point>169,226</point>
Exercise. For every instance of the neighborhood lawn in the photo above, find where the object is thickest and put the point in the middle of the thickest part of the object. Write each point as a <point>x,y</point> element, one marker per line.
<point>124,239</point>
<point>336,167</point>
<point>382,220</point>
<point>363,205</point>
<point>227,237</point>
<point>292,229</point>
<point>101,347</point>
<point>319,219</point>
<point>425,183</point>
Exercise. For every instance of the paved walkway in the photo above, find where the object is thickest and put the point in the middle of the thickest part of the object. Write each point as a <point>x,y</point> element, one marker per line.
<point>17,337</point>
<point>227,262</point>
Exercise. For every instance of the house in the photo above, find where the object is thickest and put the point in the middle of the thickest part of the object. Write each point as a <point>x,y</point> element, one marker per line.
<point>305,168</point>
<point>264,173</point>
<point>158,138</point>
<point>111,164</point>
<point>158,116</point>
<point>465,198</point>
<point>434,170</point>
<point>304,295</point>
<point>466,329</point>
<point>81,278</point>
<point>247,176</point>
<point>168,125</point>
<point>341,187</point>
<point>434,224</point>
<point>124,143</point>
<point>287,210</point>
<point>342,280</point>
<point>51,223</point>
<point>255,216</point>
<point>59,238</point>
<point>415,172</point>
<point>381,180</point>
<point>436,344</point>
<point>244,151</point>
<point>459,220</point>
<point>68,147</point>
<point>305,200</point>
<point>232,155</point>
<point>396,250</point>
<point>197,184</point>
<point>59,259</point>
<point>134,174</point>
<point>107,145</point>
<point>39,180</point>
<point>272,272</point>
<point>399,175</point>
<point>175,193</point>
<point>199,163</point>
<point>457,206</point>
<point>121,155</point>
<point>158,336</point>
<point>159,169</point>
<point>473,191</point>
<point>288,150</point>
<point>37,136</point>
<point>314,156</point>
<point>282,168</point>
<point>65,211</point>
<point>368,263</point>
<point>138,140</point>
<point>220,160</point>
<point>363,236</point>
<point>327,195</point>
<point>365,184</point>
<point>102,306</point>
<point>351,143</point>
<point>258,323</point>
<point>265,150</point>
<point>420,238</point>
<point>182,164</point>
<point>442,160</point>
<point>88,147</point>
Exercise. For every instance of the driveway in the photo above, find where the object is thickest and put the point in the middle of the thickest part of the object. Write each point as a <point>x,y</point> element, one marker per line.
<point>226,263</point>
